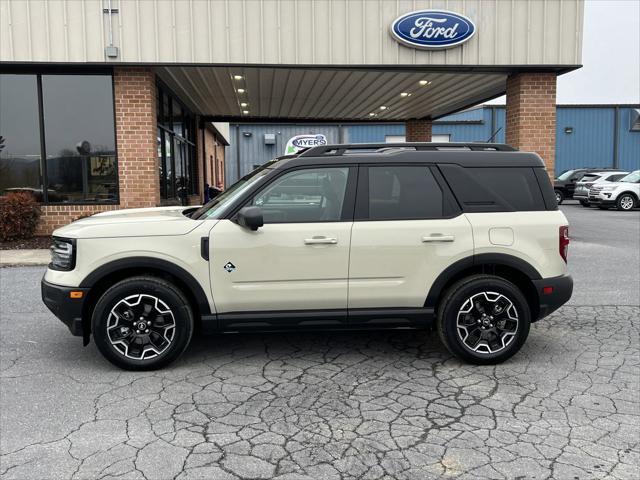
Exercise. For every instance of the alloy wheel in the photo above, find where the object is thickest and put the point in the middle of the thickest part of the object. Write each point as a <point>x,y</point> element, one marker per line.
<point>141,326</point>
<point>487,322</point>
<point>626,202</point>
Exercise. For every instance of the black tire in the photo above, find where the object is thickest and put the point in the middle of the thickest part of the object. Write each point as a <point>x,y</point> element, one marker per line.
<point>156,294</point>
<point>626,202</point>
<point>559,196</point>
<point>585,203</point>
<point>458,295</point>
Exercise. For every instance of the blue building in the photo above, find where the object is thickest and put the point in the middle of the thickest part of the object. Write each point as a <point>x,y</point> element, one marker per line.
<point>586,136</point>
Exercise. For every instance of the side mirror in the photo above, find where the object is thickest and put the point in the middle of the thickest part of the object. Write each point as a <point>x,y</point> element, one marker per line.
<point>250,217</point>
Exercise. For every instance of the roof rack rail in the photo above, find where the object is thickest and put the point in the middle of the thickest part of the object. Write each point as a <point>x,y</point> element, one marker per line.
<point>341,149</point>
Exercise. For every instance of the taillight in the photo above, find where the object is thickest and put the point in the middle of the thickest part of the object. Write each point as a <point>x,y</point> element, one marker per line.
<point>564,242</point>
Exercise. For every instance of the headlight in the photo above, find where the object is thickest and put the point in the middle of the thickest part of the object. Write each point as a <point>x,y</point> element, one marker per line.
<point>63,254</point>
<point>608,189</point>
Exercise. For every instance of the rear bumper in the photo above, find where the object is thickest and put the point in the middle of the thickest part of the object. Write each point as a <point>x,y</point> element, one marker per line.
<point>67,309</point>
<point>560,288</point>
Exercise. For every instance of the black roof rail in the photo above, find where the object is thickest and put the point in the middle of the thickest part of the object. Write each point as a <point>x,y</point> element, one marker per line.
<point>341,149</point>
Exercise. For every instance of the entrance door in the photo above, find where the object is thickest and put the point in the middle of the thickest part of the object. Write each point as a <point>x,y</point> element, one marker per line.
<point>298,260</point>
<point>401,239</point>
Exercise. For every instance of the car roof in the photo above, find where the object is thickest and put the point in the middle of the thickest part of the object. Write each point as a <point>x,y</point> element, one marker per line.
<point>463,154</point>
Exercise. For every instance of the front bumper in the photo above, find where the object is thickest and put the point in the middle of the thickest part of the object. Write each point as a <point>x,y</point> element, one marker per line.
<point>69,310</point>
<point>560,290</point>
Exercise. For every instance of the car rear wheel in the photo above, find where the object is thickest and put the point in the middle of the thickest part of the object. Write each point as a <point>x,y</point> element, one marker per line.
<point>142,323</point>
<point>484,319</point>
<point>626,202</point>
<point>585,203</point>
<point>559,196</point>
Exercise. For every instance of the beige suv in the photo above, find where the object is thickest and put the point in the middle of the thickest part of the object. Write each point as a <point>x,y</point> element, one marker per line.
<point>466,236</point>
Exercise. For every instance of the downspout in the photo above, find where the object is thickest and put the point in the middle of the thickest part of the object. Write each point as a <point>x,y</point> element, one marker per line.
<point>616,133</point>
<point>204,161</point>
<point>493,120</point>
<point>237,153</point>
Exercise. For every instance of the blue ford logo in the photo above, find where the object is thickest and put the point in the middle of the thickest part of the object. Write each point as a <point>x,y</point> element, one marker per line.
<point>431,29</point>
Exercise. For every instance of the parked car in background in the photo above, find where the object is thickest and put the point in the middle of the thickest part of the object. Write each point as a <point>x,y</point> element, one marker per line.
<point>565,184</point>
<point>581,192</point>
<point>624,194</point>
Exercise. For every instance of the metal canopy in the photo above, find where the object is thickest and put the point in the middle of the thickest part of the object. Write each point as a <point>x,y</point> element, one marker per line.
<point>274,93</point>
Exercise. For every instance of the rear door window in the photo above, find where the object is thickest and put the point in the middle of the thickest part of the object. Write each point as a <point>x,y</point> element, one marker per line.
<point>403,192</point>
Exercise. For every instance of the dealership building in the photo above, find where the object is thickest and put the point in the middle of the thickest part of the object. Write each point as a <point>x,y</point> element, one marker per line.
<point>109,104</point>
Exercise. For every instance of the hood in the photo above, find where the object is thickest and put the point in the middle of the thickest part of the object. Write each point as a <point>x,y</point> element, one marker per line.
<point>134,222</point>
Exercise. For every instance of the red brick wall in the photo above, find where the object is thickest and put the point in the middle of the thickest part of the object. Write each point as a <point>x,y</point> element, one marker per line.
<point>135,117</point>
<point>531,115</point>
<point>418,130</point>
<point>135,99</point>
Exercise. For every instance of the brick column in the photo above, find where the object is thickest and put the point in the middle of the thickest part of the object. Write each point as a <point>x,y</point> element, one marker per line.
<point>531,115</point>
<point>418,130</point>
<point>135,111</point>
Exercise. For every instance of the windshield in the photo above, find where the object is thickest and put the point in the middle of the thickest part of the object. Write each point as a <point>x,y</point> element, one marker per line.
<point>633,177</point>
<point>566,175</point>
<point>217,207</point>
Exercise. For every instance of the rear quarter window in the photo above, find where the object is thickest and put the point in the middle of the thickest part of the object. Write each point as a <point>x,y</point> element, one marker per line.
<point>494,189</point>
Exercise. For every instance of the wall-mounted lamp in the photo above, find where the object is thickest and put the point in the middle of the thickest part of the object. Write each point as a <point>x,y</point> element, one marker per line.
<point>246,134</point>
<point>568,130</point>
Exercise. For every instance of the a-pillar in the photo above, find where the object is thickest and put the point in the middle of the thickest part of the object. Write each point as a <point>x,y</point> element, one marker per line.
<point>531,115</point>
<point>418,130</point>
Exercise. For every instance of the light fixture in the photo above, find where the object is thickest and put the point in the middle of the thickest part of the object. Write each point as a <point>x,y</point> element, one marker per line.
<point>245,112</point>
<point>424,83</point>
<point>372,114</point>
<point>382,107</point>
<point>243,104</point>
<point>238,77</point>
<point>241,90</point>
<point>405,94</point>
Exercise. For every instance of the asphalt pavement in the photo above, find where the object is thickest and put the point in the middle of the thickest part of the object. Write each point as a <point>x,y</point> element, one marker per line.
<point>338,405</point>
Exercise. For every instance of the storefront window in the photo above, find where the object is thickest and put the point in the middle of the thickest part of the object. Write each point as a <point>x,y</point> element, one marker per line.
<point>74,116</point>
<point>20,151</point>
<point>79,138</point>
<point>178,166</point>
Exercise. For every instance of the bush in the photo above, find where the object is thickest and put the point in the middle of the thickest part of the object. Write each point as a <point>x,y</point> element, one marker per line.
<point>19,214</point>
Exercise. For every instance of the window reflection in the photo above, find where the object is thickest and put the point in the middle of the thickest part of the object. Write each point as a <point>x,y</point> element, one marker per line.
<point>79,138</point>
<point>20,150</point>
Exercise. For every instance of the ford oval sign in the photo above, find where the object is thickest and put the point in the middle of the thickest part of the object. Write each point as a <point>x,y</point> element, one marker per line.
<point>430,29</point>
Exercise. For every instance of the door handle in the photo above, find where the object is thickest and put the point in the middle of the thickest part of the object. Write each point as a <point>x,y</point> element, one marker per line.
<point>320,241</point>
<point>437,237</point>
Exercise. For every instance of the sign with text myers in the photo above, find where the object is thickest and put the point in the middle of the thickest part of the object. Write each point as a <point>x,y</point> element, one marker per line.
<point>300,142</point>
<point>432,29</point>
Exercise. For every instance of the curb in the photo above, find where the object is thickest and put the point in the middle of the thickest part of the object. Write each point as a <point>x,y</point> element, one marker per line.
<point>22,258</point>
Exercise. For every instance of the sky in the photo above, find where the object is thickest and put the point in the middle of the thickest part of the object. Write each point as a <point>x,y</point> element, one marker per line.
<point>610,56</point>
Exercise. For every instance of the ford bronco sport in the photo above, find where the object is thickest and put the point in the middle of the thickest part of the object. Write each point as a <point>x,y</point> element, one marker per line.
<point>464,236</point>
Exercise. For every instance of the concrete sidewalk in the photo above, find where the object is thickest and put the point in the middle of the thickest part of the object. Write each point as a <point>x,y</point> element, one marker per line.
<point>14,258</point>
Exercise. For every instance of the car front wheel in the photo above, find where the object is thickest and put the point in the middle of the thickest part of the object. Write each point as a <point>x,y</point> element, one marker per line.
<point>484,319</point>
<point>626,202</point>
<point>142,323</point>
<point>585,203</point>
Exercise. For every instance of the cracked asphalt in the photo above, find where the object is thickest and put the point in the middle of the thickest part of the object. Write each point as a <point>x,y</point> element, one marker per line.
<point>324,405</point>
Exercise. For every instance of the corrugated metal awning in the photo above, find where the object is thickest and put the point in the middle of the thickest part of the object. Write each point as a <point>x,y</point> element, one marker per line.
<point>337,94</point>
